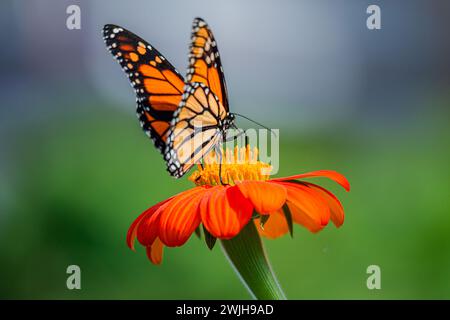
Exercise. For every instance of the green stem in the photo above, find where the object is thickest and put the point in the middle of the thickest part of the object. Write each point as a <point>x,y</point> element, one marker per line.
<point>247,255</point>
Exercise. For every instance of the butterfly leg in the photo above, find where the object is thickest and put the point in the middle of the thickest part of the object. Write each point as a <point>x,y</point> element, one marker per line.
<point>219,150</point>
<point>198,178</point>
<point>220,169</point>
<point>234,138</point>
<point>243,132</point>
<point>220,153</point>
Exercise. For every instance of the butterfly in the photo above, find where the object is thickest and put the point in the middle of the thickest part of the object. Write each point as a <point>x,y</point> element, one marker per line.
<point>185,118</point>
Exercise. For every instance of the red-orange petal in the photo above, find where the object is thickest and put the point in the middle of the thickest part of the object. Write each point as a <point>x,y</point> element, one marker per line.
<point>306,206</point>
<point>275,227</point>
<point>132,231</point>
<point>155,251</point>
<point>180,217</point>
<point>131,234</point>
<point>265,196</point>
<point>333,175</point>
<point>148,229</point>
<point>336,209</point>
<point>225,211</point>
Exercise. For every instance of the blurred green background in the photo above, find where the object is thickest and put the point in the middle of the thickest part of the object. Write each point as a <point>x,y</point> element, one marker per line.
<point>76,169</point>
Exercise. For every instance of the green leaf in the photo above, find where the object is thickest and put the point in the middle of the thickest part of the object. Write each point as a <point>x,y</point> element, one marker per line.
<point>264,218</point>
<point>255,215</point>
<point>288,215</point>
<point>198,232</point>
<point>209,239</point>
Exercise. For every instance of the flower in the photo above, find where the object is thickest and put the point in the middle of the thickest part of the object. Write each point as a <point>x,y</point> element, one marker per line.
<point>247,193</point>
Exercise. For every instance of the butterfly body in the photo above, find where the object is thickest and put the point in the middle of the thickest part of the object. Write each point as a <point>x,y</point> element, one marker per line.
<point>185,117</point>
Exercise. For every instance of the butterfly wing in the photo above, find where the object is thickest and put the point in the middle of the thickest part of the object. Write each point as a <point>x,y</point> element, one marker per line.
<point>204,61</point>
<point>195,128</point>
<point>158,85</point>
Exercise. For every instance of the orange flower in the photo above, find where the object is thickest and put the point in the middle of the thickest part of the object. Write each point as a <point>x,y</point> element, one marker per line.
<point>225,209</point>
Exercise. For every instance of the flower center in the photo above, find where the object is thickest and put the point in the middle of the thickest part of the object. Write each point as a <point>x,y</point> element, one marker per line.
<point>237,165</point>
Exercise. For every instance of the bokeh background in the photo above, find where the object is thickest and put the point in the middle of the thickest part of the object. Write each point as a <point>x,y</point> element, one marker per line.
<point>75,168</point>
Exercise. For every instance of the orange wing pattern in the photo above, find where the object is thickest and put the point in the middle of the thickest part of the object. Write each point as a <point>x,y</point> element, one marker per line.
<point>204,61</point>
<point>198,126</point>
<point>158,85</point>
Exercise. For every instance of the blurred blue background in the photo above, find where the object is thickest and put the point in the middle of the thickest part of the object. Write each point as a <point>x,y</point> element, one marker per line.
<point>75,168</point>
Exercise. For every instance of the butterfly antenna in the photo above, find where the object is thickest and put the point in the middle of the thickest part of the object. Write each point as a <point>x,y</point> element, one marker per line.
<point>257,123</point>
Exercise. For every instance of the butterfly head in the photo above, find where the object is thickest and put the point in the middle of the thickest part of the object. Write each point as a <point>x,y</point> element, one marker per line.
<point>228,122</point>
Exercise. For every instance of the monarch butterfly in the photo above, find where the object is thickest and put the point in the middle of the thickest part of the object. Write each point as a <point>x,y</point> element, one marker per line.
<point>184,118</point>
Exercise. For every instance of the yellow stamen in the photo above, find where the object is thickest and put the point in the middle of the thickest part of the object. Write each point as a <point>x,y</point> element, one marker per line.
<point>237,165</point>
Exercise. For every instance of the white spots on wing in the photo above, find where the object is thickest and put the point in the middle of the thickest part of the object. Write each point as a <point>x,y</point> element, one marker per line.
<point>117,30</point>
